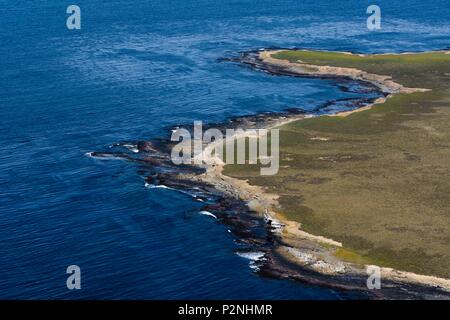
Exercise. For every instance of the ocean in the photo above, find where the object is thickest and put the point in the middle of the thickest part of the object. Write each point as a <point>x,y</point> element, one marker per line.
<point>135,69</point>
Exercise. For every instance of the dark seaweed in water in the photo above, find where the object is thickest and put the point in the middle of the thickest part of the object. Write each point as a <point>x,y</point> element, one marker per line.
<point>252,232</point>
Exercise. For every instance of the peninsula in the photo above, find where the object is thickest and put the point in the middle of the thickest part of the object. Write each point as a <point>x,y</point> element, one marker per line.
<point>364,187</point>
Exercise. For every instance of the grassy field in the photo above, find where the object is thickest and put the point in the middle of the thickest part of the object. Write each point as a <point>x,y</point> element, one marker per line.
<point>378,180</point>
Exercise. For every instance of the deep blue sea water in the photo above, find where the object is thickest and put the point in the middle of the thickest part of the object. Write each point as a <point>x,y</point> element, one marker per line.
<point>134,69</point>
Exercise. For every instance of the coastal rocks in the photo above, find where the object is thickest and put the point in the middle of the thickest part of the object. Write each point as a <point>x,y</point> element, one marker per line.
<point>146,146</point>
<point>314,262</point>
<point>262,60</point>
<point>240,220</point>
<point>384,83</point>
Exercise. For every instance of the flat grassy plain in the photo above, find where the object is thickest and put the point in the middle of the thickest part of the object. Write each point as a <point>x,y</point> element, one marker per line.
<point>377,180</point>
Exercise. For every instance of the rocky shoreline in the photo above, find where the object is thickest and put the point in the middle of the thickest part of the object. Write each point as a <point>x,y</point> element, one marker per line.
<point>250,214</point>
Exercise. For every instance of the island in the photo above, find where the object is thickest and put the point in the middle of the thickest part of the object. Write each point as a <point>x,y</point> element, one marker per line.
<point>357,191</point>
<point>365,187</point>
